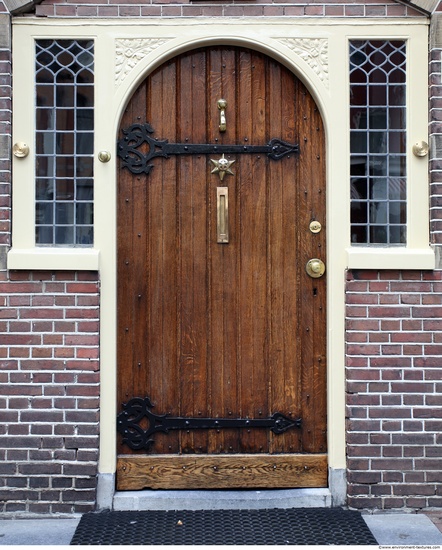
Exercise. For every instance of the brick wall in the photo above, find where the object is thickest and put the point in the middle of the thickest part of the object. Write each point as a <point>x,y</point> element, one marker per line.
<point>49,392</point>
<point>435,131</point>
<point>189,8</point>
<point>394,389</point>
<point>5,135</point>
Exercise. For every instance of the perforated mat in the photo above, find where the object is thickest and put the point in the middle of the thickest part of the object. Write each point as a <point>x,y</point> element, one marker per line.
<point>309,526</point>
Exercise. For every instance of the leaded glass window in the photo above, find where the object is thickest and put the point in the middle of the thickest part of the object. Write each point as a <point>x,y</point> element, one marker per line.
<point>64,142</point>
<point>378,142</point>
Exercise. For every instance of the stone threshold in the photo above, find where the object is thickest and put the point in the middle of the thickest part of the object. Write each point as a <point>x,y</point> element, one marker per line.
<point>221,499</point>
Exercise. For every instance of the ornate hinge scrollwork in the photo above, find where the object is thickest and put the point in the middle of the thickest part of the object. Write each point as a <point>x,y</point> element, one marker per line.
<point>136,137</point>
<point>137,410</point>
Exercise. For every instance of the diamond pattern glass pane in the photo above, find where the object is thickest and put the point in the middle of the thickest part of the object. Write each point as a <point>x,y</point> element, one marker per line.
<point>378,142</point>
<point>64,91</point>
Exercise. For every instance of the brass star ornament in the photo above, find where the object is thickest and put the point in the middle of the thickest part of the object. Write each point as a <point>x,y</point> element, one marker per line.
<point>222,167</point>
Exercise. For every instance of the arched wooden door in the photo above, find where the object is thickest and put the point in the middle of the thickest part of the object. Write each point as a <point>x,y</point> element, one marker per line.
<point>220,326</point>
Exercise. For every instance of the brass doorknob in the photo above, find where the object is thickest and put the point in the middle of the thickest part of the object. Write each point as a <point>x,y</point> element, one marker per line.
<point>315,268</point>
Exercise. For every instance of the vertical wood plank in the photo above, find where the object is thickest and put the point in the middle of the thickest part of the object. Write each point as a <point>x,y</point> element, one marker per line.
<point>162,260</point>
<point>127,334</point>
<point>192,241</point>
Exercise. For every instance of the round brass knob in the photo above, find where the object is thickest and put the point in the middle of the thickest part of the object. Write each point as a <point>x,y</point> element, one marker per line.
<point>104,156</point>
<point>420,149</point>
<point>20,150</point>
<point>315,268</point>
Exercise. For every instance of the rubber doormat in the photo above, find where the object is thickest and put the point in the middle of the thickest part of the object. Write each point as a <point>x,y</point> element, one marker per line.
<point>310,526</point>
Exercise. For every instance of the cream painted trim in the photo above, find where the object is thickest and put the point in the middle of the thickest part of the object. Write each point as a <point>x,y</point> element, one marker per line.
<point>86,259</point>
<point>113,93</point>
<point>390,258</point>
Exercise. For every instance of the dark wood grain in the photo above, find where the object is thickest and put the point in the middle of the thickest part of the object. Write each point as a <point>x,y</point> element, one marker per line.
<point>224,330</point>
<point>218,472</point>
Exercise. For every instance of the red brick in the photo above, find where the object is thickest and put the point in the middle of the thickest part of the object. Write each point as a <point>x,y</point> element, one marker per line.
<point>411,337</point>
<point>357,361</point>
<point>88,326</point>
<point>393,299</point>
<point>14,339</point>
<point>42,416</point>
<point>392,374</point>
<point>391,350</point>
<point>392,464</point>
<point>81,288</point>
<point>363,374</point>
<point>356,311</point>
<point>82,365</point>
<point>412,387</point>
<point>378,337</point>
<point>83,390</point>
<point>361,299</point>
<point>408,489</point>
<point>433,400</point>
<point>388,311</point>
<point>413,399</point>
<point>53,339</point>
<point>42,326</point>
<point>10,288</point>
<point>361,503</point>
<point>64,352</point>
<point>20,389</point>
<point>71,313</point>
<point>411,325</point>
<point>391,400</point>
<point>87,353</point>
<point>42,352</point>
<point>413,374</point>
<point>41,313</point>
<point>363,349</point>
<point>390,325</point>
<point>40,364</point>
<point>426,312</point>
<point>390,362</point>
<point>389,412</point>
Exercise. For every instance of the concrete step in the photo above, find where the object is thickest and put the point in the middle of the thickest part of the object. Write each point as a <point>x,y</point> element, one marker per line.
<point>225,499</point>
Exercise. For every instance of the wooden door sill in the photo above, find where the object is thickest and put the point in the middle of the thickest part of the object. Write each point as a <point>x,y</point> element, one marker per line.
<point>221,471</point>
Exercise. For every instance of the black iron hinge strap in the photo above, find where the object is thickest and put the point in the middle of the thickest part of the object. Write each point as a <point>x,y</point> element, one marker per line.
<point>129,148</point>
<point>138,409</point>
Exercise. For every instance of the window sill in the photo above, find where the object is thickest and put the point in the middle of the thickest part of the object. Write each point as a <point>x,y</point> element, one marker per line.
<point>390,258</point>
<point>63,259</point>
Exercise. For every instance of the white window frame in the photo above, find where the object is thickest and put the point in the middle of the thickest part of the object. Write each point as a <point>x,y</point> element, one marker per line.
<point>417,253</point>
<point>25,254</point>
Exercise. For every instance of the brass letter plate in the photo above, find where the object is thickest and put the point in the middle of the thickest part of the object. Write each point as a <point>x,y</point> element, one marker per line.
<point>222,215</point>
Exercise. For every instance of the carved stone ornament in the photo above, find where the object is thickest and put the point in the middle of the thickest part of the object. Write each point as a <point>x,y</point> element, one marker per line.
<point>314,51</point>
<point>130,51</point>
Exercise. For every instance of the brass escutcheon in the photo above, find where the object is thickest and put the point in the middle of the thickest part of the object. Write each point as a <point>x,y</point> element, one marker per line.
<point>315,268</point>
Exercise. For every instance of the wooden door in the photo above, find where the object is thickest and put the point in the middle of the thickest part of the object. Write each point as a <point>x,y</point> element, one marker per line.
<point>223,330</point>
